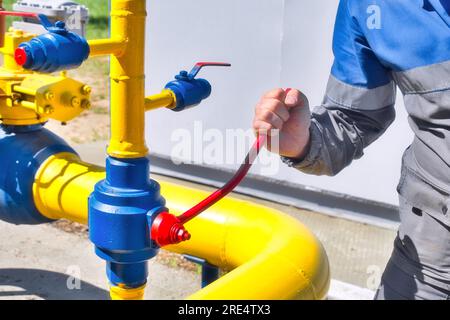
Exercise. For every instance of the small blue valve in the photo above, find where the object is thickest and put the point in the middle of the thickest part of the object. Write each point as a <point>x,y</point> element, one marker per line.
<point>190,91</point>
<point>59,49</point>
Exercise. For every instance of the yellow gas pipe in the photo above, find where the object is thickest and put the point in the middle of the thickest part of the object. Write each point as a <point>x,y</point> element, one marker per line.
<point>271,255</point>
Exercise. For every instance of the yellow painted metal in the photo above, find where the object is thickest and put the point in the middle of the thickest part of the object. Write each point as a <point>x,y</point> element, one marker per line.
<point>118,293</point>
<point>99,47</point>
<point>270,255</point>
<point>62,187</point>
<point>165,99</point>
<point>127,80</point>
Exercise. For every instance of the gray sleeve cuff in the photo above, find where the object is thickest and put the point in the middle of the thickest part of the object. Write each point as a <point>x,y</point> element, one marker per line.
<point>312,156</point>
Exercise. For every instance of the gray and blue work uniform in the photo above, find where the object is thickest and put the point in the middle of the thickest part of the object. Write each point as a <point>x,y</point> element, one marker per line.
<point>380,45</point>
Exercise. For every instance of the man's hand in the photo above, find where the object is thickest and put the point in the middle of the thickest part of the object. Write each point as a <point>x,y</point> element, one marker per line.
<point>288,112</point>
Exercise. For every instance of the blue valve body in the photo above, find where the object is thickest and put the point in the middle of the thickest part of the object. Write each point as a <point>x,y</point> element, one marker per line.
<point>189,92</point>
<point>57,50</point>
<point>121,209</point>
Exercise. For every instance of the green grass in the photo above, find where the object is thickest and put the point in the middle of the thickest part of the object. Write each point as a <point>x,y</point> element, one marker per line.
<point>98,16</point>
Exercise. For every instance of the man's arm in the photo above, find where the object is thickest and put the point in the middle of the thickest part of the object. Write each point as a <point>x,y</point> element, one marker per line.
<point>357,109</point>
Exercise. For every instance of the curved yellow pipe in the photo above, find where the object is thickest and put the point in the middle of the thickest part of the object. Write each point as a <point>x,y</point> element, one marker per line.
<point>269,255</point>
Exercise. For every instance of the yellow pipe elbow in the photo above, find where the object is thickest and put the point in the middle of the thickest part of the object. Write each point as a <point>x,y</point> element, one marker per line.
<point>269,255</point>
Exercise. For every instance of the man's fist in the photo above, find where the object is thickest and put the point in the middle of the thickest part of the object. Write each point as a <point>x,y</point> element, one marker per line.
<point>284,115</point>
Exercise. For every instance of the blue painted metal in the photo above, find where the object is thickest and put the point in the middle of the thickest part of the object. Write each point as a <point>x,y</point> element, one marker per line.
<point>189,91</point>
<point>210,273</point>
<point>59,49</point>
<point>121,209</point>
<point>23,150</point>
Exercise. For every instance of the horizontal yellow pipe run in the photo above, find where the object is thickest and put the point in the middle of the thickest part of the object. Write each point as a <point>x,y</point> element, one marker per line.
<point>165,99</point>
<point>270,255</point>
<point>99,47</point>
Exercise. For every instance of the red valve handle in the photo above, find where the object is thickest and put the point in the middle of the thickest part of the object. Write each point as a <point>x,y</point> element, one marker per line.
<point>168,229</point>
<point>19,14</point>
<point>200,65</point>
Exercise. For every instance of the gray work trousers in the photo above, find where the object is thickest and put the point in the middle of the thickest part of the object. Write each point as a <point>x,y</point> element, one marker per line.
<point>419,268</point>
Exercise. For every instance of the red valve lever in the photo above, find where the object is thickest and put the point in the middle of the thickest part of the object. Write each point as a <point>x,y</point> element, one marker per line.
<point>168,229</point>
<point>19,14</point>
<point>199,65</point>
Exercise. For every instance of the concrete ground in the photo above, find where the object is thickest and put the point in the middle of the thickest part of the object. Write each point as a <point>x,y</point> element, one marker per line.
<point>45,262</point>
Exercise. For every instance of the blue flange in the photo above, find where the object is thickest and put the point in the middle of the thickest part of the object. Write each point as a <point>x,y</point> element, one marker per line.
<point>23,150</point>
<point>118,219</point>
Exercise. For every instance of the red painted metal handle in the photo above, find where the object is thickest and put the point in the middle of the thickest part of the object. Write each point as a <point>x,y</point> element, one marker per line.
<point>168,229</point>
<point>200,65</point>
<point>19,14</point>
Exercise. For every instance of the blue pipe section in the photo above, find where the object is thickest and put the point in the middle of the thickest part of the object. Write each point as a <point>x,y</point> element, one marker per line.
<point>121,210</point>
<point>23,149</point>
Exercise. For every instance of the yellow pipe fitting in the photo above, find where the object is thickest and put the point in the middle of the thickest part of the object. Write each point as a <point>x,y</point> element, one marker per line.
<point>269,254</point>
<point>13,38</point>
<point>101,47</point>
<point>119,293</point>
<point>165,99</point>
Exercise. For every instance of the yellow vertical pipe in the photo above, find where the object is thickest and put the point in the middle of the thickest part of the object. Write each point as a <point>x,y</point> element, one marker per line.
<point>127,80</point>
